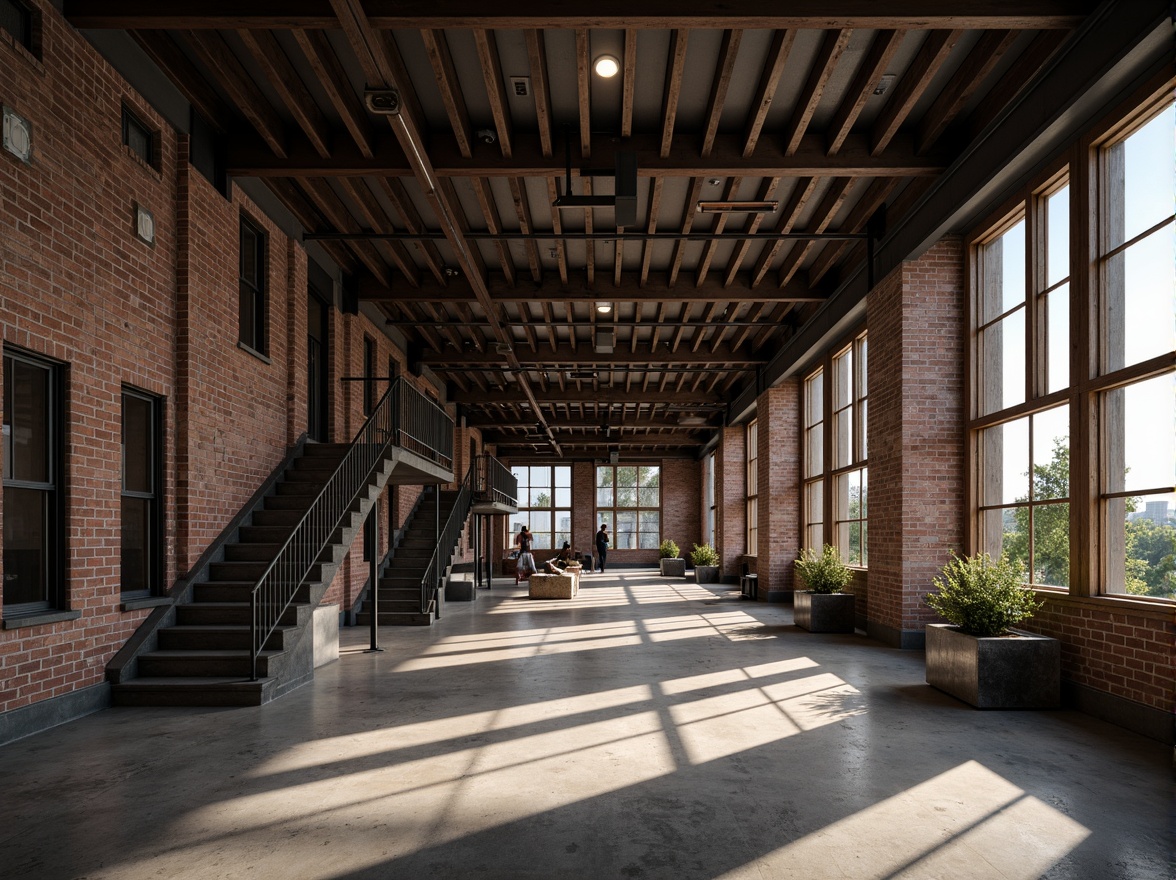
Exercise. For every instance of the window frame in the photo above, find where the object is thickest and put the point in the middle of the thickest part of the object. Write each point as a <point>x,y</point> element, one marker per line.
<point>523,515</point>
<point>751,486</point>
<point>709,505</point>
<point>253,298</point>
<point>29,38</point>
<point>132,120</point>
<point>608,513</point>
<point>154,526</point>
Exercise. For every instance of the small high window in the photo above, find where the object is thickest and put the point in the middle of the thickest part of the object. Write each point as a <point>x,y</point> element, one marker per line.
<point>17,20</point>
<point>139,138</point>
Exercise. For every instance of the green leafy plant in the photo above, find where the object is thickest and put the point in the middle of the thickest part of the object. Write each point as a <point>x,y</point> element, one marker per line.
<point>823,572</point>
<point>981,595</point>
<point>704,554</point>
<point>668,549</point>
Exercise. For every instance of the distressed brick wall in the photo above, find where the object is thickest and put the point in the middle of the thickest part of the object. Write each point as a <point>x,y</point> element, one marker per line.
<point>778,464</point>
<point>681,482</point>
<point>730,500</point>
<point>916,436</point>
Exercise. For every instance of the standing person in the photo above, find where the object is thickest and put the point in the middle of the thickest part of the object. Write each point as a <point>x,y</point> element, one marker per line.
<point>525,567</point>
<point>602,544</point>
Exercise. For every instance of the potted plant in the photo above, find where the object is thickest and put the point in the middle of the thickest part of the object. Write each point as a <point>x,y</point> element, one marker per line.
<point>705,560</point>
<point>671,564</point>
<point>976,656</point>
<point>822,606</point>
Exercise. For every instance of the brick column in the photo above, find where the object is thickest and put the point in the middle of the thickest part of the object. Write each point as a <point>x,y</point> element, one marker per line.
<point>916,438</point>
<point>730,515</point>
<point>584,524</point>
<point>296,341</point>
<point>778,438</point>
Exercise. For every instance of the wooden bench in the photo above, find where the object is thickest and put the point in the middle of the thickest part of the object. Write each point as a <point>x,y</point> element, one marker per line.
<point>554,586</point>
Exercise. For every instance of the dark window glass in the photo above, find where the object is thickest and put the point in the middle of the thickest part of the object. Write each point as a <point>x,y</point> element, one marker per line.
<point>138,137</point>
<point>140,498</point>
<point>252,299</point>
<point>369,372</point>
<point>18,21</point>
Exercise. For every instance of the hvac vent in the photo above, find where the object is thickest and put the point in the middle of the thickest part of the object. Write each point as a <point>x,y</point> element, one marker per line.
<point>605,341</point>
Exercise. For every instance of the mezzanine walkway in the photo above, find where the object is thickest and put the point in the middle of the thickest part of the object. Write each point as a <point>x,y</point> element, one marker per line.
<point>647,729</point>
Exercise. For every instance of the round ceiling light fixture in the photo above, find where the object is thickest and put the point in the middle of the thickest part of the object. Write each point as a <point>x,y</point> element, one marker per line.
<point>606,66</point>
<point>604,307</point>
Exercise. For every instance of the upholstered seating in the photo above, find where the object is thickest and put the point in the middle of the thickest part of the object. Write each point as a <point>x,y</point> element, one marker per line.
<point>554,586</point>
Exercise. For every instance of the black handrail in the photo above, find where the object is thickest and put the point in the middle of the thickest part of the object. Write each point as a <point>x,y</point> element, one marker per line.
<point>404,417</point>
<point>450,535</point>
<point>495,482</point>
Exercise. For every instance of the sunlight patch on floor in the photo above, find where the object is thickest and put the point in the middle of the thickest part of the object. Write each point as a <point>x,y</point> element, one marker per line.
<point>967,822</point>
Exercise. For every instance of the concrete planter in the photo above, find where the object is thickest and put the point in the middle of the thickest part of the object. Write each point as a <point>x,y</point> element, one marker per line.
<point>1017,671</point>
<point>823,612</point>
<point>673,568</point>
<point>706,574</point>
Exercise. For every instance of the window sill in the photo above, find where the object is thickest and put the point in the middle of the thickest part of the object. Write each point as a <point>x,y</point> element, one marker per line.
<point>257,354</point>
<point>145,602</point>
<point>39,618</point>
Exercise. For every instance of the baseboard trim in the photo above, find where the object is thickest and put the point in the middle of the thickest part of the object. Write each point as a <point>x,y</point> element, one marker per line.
<point>41,716</point>
<point>781,596</point>
<point>906,639</point>
<point>1146,721</point>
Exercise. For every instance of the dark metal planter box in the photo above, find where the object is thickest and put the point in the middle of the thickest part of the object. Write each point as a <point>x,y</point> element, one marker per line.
<point>823,612</point>
<point>706,574</point>
<point>1018,671</point>
<point>675,568</point>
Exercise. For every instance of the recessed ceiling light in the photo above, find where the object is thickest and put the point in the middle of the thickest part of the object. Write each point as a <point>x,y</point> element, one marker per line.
<point>606,66</point>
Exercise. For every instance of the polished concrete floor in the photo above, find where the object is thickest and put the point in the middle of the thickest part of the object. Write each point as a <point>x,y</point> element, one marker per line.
<point>647,729</point>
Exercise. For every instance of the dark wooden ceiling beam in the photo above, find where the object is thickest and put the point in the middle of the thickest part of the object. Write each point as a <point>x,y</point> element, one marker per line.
<point>320,194</point>
<point>728,53</point>
<point>284,79</point>
<point>305,213</point>
<point>708,251</point>
<point>565,357</point>
<point>765,92</point>
<point>627,419</point>
<point>602,396</point>
<point>540,87</point>
<point>584,91</point>
<point>333,78</point>
<point>1016,78</point>
<point>393,190</point>
<point>561,250</point>
<point>688,214</point>
<point>629,84</point>
<point>801,193</point>
<point>859,215</point>
<point>832,48</point>
<point>767,191</point>
<point>249,157</point>
<point>651,227</point>
<point>873,66</point>
<point>911,85</point>
<point>518,194</point>
<point>437,47</point>
<point>177,67</point>
<point>673,88</point>
<point>493,221</point>
<point>373,216</point>
<point>495,87</point>
<point>616,14</point>
<point>824,216</point>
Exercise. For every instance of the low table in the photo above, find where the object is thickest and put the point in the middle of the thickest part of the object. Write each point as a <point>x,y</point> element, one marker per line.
<point>554,586</point>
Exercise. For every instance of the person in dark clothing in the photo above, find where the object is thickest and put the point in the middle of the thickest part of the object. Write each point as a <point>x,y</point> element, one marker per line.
<point>602,544</point>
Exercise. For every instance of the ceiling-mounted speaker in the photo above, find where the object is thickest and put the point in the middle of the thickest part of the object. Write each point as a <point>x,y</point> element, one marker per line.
<point>626,189</point>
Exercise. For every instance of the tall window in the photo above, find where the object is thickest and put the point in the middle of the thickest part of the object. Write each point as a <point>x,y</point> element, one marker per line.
<point>1135,392</point>
<point>545,504</point>
<point>708,482</point>
<point>628,501</point>
<point>751,487</point>
<point>369,375</point>
<point>835,473</point>
<point>141,459</point>
<point>252,305</point>
<point>33,503</point>
<point>814,460</point>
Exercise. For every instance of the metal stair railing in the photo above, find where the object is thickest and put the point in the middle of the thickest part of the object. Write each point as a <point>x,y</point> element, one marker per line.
<point>495,482</point>
<point>449,535</point>
<point>405,418</point>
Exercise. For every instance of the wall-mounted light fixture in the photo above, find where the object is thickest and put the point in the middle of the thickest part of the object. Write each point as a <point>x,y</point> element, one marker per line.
<point>144,224</point>
<point>606,66</point>
<point>18,135</point>
<point>737,207</point>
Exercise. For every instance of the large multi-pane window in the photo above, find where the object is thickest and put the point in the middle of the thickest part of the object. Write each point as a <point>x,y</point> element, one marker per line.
<point>1100,406</point>
<point>545,504</point>
<point>835,474</point>
<point>628,501</point>
<point>1135,389</point>
<point>251,301</point>
<point>708,482</point>
<point>33,505</point>
<point>141,473</point>
<point>751,486</point>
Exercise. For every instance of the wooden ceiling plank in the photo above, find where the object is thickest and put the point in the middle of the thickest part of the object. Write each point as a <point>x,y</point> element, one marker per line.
<point>584,91</point>
<point>371,212</point>
<point>708,315</point>
<point>869,202</point>
<point>494,224</point>
<point>394,191</point>
<point>170,59</point>
<point>688,213</point>
<point>728,52</point>
<point>629,83</point>
<point>437,46</point>
<point>540,87</point>
<point>222,65</point>
<point>495,86</point>
<point>650,227</point>
<point>673,88</point>
<point>832,48</point>
<point>753,314</point>
<point>801,193</point>
<point>1016,78</point>
<point>518,193</point>
<point>589,246</point>
<point>447,330</point>
<point>825,214</point>
<point>873,66</point>
<point>778,314</point>
<point>661,316</point>
<point>767,191</point>
<point>708,251</point>
<point>561,250</point>
<point>475,336</point>
<point>769,81</point>
<point>724,358</point>
<point>325,63</point>
<point>911,85</point>
<point>284,80</point>
<point>320,194</point>
<point>681,328</point>
<point>981,61</point>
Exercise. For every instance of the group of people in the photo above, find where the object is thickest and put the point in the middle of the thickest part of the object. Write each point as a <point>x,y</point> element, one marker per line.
<point>525,562</point>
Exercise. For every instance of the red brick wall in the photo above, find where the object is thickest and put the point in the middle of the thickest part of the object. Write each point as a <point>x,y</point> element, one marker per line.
<point>778,463</point>
<point>730,500</point>
<point>681,482</point>
<point>916,434</point>
<point>77,286</point>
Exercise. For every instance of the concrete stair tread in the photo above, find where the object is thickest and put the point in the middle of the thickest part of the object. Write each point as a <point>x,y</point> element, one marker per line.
<point>207,653</point>
<point>191,682</point>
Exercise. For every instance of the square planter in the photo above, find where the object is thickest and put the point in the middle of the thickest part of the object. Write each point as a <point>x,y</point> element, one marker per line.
<point>673,568</point>
<point>1017,671</point>
<point>823,612</point>
<point>705,574</point>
